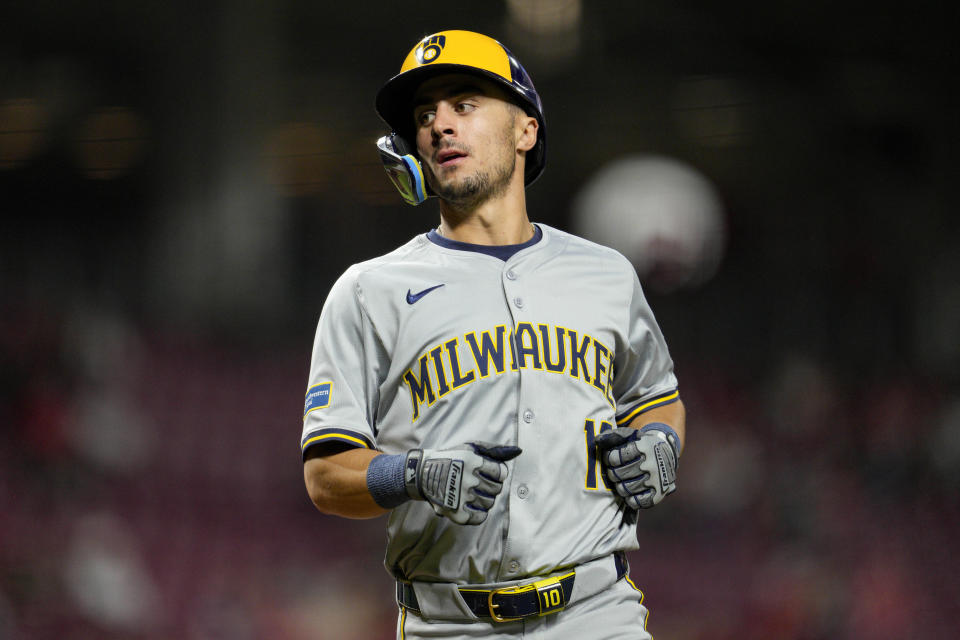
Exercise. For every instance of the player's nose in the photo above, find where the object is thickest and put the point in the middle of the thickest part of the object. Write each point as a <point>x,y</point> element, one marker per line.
<point>444,121</point>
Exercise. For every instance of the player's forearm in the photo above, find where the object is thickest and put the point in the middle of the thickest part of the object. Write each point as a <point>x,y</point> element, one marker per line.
<point>337,483</point>
<point>674,415</point>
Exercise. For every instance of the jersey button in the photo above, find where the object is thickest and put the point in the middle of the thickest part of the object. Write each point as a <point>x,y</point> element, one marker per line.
<point>518,301</point>
<point>523,492</point>
<point>511,274</point>
<point>528,416</point>
<point>513,567</point>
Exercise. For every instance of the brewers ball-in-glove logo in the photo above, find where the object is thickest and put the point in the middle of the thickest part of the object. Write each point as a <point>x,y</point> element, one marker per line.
<point>429,49</point>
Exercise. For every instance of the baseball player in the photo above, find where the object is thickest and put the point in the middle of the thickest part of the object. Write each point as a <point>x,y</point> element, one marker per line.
<point>500,388</point>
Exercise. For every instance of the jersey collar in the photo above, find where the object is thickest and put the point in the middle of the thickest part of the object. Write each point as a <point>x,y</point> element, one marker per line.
<point>503,252</point>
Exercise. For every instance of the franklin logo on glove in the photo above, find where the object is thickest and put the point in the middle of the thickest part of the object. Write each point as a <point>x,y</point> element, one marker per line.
<point>641,464</point>
<point>453,485</point>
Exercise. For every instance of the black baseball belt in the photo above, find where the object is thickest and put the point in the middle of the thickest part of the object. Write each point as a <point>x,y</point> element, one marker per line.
<point>516,601</point>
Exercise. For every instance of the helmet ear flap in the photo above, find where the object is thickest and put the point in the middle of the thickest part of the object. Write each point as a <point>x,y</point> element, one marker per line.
<point>402,146</point>
<point>403,168</point>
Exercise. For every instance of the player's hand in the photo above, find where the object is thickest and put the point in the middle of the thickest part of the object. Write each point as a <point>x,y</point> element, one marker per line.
<point>640,464</point>
<point>461,484</point>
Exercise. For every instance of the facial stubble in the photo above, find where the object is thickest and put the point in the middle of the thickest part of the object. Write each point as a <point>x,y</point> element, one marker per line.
<point>486,182</point>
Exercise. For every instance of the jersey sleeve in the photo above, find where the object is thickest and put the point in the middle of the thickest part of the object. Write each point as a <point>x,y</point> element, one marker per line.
<point>341,397</point>
<point>644,376</point>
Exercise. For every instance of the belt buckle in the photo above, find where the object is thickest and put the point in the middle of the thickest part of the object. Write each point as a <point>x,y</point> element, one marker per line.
<point>493,607</point>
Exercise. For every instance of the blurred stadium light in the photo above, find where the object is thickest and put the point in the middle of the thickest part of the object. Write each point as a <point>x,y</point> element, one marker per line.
<point>110,142</point>
<point>23,130</point>
<point>711,110</point>
<point>547,29</point>
<point>300,158</point>
<point>662,214</point>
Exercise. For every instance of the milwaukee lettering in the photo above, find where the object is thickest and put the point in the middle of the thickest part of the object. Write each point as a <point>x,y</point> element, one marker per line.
<point>462,360</point>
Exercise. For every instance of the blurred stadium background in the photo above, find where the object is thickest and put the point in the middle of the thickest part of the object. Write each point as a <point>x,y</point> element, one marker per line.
<point>180,184</point>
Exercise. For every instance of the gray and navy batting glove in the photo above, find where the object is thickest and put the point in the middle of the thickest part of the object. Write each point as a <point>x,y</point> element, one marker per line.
<point>641,464</point>
<point>461,484</point>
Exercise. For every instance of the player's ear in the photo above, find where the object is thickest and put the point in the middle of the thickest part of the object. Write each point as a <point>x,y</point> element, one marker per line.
<point>528,129</point>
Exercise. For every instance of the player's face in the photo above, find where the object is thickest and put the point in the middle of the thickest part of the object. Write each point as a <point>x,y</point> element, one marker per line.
<point>467,134</point>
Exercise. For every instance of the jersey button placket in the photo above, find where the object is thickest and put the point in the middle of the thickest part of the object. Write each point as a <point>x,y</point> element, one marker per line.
<point>519,311</point>
<point>512,277</point>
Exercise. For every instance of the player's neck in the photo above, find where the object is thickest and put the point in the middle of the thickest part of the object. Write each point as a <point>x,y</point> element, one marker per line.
<point>499,221</point>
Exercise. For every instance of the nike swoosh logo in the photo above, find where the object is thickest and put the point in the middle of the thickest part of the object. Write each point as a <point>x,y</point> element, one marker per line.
<point>413,297</point>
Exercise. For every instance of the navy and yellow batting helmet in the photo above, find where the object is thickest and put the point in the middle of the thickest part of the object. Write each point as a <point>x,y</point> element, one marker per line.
<point>462,52</point>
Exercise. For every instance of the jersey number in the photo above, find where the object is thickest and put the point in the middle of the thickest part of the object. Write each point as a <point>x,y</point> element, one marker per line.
<point>590,435</point>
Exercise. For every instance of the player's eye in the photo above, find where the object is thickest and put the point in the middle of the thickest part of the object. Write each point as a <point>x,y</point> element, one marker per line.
<point>465,107</point>
<point>424,118</point>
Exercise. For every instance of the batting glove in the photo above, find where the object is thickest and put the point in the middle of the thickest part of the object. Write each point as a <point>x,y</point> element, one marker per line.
<point>461,484</point>
<point>640,464</point>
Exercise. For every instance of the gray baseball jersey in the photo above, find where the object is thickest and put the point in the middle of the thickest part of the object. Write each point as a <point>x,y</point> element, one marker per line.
<point>438,343</point>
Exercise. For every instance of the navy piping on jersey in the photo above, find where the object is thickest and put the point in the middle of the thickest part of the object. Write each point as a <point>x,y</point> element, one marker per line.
<point>504,252</point>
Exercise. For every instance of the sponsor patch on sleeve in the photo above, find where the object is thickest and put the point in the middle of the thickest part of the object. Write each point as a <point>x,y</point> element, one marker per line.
<point>318,397</point>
